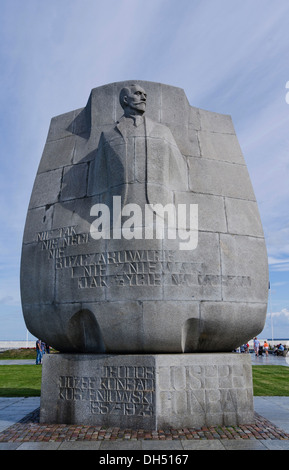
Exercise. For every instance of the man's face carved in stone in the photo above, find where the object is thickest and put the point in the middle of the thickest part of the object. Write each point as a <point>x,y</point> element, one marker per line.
<point>135,100</point>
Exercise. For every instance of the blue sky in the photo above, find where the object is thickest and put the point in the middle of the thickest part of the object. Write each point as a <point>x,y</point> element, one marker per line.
<point>230,56</point>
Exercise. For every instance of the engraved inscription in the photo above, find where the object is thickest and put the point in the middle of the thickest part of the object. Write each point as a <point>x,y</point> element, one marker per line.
<point>203,389</point>
<point>116,390</point>
<point>126,268</point>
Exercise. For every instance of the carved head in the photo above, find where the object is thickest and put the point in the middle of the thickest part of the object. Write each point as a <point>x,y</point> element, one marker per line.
<point>133,99</point>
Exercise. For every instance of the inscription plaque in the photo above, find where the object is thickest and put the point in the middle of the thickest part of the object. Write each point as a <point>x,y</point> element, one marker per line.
<point>127,267</point>
<point>113,390</point>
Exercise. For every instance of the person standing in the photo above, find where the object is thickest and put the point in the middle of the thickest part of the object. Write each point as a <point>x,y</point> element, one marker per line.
<point>256,346</point>
<point>266,347</point>
<point>38,352</point>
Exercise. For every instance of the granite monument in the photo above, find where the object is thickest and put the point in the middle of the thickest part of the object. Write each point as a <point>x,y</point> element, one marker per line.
<point>143,244</point>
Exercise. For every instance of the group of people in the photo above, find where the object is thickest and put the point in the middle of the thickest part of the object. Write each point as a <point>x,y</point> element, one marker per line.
<point>41,349</point>
<point>278,350</point>
<point>259,349</point>
<point>244,348</point>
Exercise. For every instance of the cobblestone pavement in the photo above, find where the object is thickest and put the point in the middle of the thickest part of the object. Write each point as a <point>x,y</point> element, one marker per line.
<point>30,430</point>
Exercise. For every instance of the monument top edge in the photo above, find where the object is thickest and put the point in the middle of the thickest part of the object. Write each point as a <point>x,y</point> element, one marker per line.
<point>117,85</point>
<point>136,81</point>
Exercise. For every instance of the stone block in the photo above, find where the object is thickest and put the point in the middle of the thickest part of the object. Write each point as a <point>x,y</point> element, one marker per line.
<point>223,147</point>
<point>86,146</point>
<point>194,275</point>
<point>61,126</point>
<point>101,107</point>
<point>74,213</point>
<point>194,118</point>
<point>219,178</point>
<point>121,324</point>
<point>34,289</point>
<point>235,315</point>
<point>248,278</point>
<point>211,210</point>
<point>134,269</point>
<point>74,182</point>
<point>57,153</point>
<point>243,217</point>
<point>46,188</point>
<point>175,110</point>
<point>38,221</point>
<point>165,324</point>
<point>55,321</point>
<point>99,390</point>
<point>214,122</point>
<point>147,391</point>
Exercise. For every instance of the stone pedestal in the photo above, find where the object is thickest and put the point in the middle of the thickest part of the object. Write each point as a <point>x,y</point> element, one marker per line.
<point>147,391</point>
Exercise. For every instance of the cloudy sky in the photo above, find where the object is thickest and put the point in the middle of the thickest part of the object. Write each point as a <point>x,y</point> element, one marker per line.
<point>230,56</point>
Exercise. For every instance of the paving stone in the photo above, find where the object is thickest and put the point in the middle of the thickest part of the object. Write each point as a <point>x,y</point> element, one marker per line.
<point>30,431</point>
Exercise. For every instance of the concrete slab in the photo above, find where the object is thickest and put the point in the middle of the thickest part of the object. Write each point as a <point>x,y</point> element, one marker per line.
<point>13,410</point>
<point>276,445</point>
<point>9,445</point>
<point>243,444</point>
<point>203,445</point>
<point>275,409</point>
<point>39,446</point>
<point>79,445</point>
<point>269,360</point>
<point>162,445</point>
<point>121,445</point>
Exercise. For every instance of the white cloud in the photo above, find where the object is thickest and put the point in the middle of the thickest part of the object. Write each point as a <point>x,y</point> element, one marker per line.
<point>278,264</point>
<point>283,313</point>
<point>277,325</point>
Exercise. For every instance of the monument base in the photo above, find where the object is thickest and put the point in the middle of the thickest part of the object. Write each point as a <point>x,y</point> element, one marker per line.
<point>150,392</point>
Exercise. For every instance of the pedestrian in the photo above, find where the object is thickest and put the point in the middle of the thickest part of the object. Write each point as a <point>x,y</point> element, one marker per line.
<point>266,347</point>
<point>280,350</point>
<point>38,352</point>
<point>256,346</point>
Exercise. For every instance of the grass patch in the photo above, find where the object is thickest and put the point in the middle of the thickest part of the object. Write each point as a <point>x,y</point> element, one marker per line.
<point>21,353</point>
<point>20,381</point>
<point>25,380</point>
<point>270,381</point>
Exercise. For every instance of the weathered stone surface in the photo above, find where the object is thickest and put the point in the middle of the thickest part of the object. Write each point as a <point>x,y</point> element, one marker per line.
<point>147,391</point>
<point>211,210</point>
<point>57,153</point>
<point>220,178</point>
<point>219,146</point>
<point>242,217</point>
<point>46,188</point>
<point>131,295</point>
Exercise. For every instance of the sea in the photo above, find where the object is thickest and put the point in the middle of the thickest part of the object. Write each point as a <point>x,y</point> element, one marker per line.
<point>4,345</point>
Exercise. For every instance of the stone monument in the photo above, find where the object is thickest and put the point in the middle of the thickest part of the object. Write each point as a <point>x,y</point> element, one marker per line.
<point>144,263</point>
